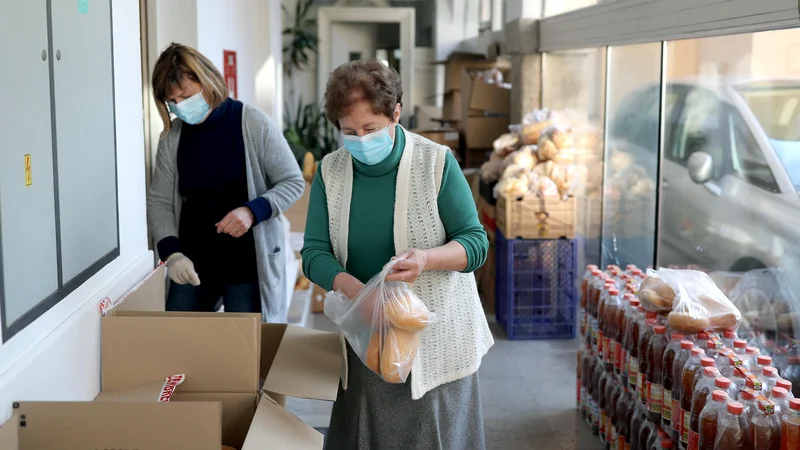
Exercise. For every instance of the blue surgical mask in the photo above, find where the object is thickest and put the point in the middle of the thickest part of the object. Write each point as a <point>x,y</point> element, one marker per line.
<point>370,149</point>
<point>191,110</point>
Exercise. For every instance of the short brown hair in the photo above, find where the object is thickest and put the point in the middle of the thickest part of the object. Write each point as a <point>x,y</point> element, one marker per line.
<point>175,65</point>
<point>367,80</point>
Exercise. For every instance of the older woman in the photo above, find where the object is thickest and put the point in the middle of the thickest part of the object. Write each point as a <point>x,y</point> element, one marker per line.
<point>390,193</point>
<point>223,174</point>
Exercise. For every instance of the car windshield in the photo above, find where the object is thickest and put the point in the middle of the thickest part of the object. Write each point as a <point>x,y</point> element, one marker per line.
<point>776,106</point>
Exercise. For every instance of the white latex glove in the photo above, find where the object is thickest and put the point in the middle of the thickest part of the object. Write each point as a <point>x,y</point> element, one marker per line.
<point>181,270</point>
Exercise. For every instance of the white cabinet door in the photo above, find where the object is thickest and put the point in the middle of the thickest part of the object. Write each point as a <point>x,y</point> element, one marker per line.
<point>28,259</point>
<point>86,147</point>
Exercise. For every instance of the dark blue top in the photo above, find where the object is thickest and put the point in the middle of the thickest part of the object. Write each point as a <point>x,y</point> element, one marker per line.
<point>212,178</point>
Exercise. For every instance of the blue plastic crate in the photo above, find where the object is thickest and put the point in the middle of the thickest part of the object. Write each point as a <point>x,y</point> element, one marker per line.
<point>537,290</point>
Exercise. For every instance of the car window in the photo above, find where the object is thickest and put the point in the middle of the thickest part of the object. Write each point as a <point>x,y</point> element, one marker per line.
<point>699,129</point>
<point>747,157</point>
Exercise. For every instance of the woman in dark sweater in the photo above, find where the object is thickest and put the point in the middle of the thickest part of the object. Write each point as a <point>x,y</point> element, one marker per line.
<point>223,174</point>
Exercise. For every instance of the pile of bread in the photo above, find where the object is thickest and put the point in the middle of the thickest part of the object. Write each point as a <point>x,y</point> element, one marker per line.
<point>691,300</point>
<point>394,340</point>
<point>766,299</point>
<point>545,156</point>
<point>627,177</point>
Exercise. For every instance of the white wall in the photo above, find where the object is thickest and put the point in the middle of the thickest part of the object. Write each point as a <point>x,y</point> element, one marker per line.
<point>57,357</point>
<point>353,37</point>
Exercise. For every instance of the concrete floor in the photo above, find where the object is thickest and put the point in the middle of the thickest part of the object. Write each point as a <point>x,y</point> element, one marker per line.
<point>528,392</point>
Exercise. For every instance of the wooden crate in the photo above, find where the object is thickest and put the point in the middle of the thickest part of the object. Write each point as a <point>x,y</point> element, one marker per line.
<point>532,217</point>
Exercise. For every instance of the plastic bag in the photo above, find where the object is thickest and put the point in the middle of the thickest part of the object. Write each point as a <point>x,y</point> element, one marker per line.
<point>525,157</point>
<point>506,143</point>
<point>698,305</point>
<point>382,324</point>
<point>767,301</point>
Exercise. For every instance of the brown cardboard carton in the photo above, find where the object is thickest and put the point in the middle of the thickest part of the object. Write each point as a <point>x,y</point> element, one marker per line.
<point>236,370</point>
<point>480,132</point>
<point>453,65</point>
<point>489,97</point>
<point>8,434</point>
<point>449,137</point>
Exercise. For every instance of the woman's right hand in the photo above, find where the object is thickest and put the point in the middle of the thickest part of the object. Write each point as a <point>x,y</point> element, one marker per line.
<point>181,270</point>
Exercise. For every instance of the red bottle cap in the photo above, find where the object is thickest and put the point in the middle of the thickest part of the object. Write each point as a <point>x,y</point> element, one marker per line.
<point>786,384</point>
<point>729,334</point>
<point>702,336</point>
<point>697,351</point>
<point>609,283</point>
<point>753,350</point>
<point>735,408</point>
<point>711,344</point>
<point>738,343</point>
<point>650,315</point>
<point>677,336</point>
<point>794,360</point>
<point>666,443</point>
<point>779,392</point>
<point>739,372</point>
<point>660,329</point>
<point>640,309</point>
<point>628,296</point>
<point>764,360</point>
<point>794,404</point>
<point>635,302</point>
<point>687,345</point>
<point>748,394</point>
<point>630,267</point>
<point>710,371</point>
<point>596,273</point>
<point>719,396</point>
<point>770,371</point>
<point>651,322</point>
<point>613,292</point>
<point>722,382</point>
<point>706,362</point>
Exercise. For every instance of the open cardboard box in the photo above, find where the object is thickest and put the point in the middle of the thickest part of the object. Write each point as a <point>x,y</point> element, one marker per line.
<point>234,367</point>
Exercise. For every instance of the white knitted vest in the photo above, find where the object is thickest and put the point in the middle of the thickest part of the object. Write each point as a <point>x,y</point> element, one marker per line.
<point>451,348</point>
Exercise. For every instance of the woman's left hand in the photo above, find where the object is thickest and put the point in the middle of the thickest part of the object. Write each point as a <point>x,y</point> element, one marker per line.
<point>237,222</point>
<point>412,263</point>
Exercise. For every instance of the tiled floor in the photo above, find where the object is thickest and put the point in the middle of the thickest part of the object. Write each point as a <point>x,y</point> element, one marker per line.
<point>528,391</point>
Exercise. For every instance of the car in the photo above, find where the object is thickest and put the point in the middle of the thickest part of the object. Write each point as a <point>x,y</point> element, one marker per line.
<point>730,173</point>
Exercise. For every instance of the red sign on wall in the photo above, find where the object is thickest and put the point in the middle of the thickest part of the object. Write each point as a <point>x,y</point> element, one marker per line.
<point>230,72</point>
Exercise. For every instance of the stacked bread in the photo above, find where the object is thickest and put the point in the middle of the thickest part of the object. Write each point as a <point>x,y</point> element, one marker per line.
<point>547,157</point>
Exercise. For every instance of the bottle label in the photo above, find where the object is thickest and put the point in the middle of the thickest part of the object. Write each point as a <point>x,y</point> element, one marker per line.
<point>614,437</point>
<point>641,386</point>
<point>633,372</point>
<point>602,422</point>
<point>655,401</point>
<point>619,356</point>
<point>687,416</point>
<point>600,343</point>
<point>620,442</point>
<point>627,446</point>
<point>595,336</point>
<point>612,351</point>
<point>694,440</point>
<point>606,349</point>
<point>666,405</point>
<point>677,416</point>
<point>769,406</point>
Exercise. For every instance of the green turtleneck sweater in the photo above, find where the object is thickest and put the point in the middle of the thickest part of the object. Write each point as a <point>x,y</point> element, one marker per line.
<point>371,237</point>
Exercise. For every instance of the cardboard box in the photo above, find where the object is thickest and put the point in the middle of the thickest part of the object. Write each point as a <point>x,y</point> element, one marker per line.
<point>425,115</point>
<point>453,65</point>
<point>480,132</point>
<point>8,434</point>
<point>237,369</point>
<point>488,218</point>
<point>318,300</point>
<point>533,217</point>
<point>444,136</point>
<point>489,98</point>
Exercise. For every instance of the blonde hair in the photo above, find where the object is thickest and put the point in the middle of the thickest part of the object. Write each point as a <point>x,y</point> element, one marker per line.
<point>175,65</point>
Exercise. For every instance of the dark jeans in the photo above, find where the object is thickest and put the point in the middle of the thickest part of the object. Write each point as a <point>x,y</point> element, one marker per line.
<point>244,297</point>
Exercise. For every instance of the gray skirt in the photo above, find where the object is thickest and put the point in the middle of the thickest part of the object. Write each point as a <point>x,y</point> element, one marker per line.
<point>374,415</point>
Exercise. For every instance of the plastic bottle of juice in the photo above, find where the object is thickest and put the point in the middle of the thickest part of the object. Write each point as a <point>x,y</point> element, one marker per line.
<point>732,433</point>
<point>681,357</point>
<point>749,399</point>
<point>703,389</point>
<point>687,389</point>
<point>780,397</point>
<point>766,427</point>
<point>601,403</point>
<point>769,378</point>
<point>623,416</point>
<point>611,408</point>
<point>761,362</point>
<point>728,337</point>
<point>709,419</point>
<point>740,348</point>
<point>638,419</point>
<point>605,324</point>
<point>644,341</point>
<point>790,426</point>
<point>613,307</point>
<point>792,374</point>
<point>584,313</point>
<point>752,357</point>
<point>655,372</point>
<point>632,304</point>
<point>623,304</point>
<point>786,384</point>
<point>666,379</point>
<point>593,290</point>
<point>634,333</point>
<point>595,396</point>
<point>648,429</point>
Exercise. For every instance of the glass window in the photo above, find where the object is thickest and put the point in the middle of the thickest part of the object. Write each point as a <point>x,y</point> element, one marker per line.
<point>573,84</point>
<point>633,95</point>
<point>732,153</point>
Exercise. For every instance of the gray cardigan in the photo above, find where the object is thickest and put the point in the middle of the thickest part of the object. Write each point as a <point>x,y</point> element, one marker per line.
<point>272,173</point>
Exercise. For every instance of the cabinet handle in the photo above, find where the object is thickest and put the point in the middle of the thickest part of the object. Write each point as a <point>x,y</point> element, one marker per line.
<point>44,55</point>
<point>58,55</point>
